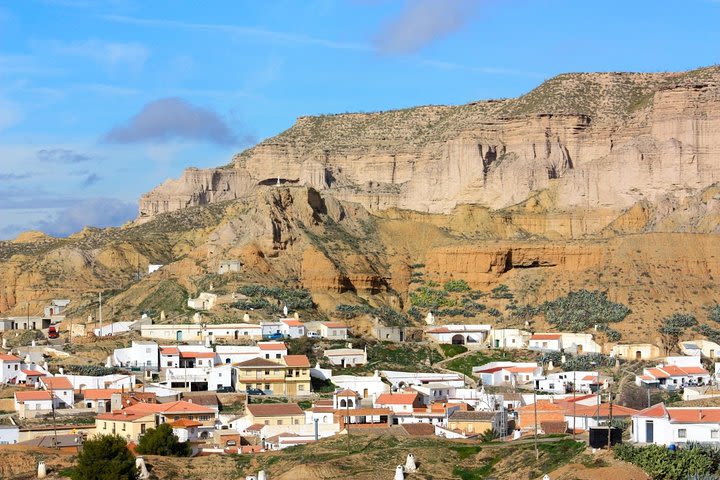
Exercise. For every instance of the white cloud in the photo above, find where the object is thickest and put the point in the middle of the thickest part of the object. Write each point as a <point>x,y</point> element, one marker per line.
<point>282,37</point>
<point>109,54</point>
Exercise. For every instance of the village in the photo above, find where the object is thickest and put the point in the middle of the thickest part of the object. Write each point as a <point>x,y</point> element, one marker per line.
<point>247,388</point>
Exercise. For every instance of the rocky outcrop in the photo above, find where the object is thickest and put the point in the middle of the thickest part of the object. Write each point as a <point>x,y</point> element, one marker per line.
<point>600,143</point>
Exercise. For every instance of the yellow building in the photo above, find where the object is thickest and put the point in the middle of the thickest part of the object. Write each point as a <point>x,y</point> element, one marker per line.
<point>471,422</point>
<point>275,414</point>
<point>133,421</point>
<point>289,376</point>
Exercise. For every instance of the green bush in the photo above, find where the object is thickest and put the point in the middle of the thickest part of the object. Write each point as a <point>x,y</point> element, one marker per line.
<point>714,313</point>
<point>502,291</point>
<point>456,286</point>
<point>162,441</point>
<point>295,299</point>
<point>674,326</point>
<point>426,297</point>
<point>581,310</point>
<point>662,464</point>
<point>105,458</point>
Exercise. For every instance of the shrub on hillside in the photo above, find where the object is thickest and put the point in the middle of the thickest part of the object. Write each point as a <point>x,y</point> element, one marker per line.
<point>583,309</point>
<point>662,464</point>
<point>105,458</point>
<point>674,326</point>
<point>162,441</point>
<point>456,286</point>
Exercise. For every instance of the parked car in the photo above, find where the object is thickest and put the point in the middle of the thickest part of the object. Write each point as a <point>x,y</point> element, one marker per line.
<point>274,336</point>
<point>254,391</point>
<point>313,335</point>
<point>225,389</point>
<point>53,333</point>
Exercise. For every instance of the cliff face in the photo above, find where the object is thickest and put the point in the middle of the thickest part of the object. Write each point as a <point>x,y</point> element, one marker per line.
<point>599,142</point>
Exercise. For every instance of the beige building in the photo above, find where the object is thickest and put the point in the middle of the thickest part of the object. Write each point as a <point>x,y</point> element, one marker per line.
<point>275,414</point>
<point>471,422</point>
<point>133,421</point>
<point>636,351</point>
<point>288,376</point>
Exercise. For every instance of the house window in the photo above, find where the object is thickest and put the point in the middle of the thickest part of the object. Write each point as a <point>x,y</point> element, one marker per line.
<point>203,418</point>
<point>280,422</point>
<point>715,434</point>
<point>176,417</point>
<point>104,425</point>
<point>142,428</point>
<point>267,386</point>
<point>277,355</point>
<point>267,372</point>
<point>267,422</point>
<point>544,344</point>
<point>301,388</point>
<point>123,427</point>
<point>682,433</point>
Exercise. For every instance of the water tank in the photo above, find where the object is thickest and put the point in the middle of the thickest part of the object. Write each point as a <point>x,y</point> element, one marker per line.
<point>599,436</point>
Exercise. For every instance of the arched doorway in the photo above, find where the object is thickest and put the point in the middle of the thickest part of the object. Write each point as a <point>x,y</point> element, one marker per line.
<point>458,339</point>
<point>178,335</point>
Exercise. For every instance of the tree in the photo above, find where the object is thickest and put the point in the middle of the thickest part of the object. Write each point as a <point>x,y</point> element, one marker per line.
<point>105,458</point>
<point>673,327</point>
<point>162,441</point>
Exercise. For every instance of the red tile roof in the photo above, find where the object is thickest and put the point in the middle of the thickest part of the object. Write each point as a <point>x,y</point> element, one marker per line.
<point>521,369</point>
<point>197,354</point>
<point>272,346</point>
<point>296,360</point>
<point>335,325</point>
<point>123,416</point>
<point>546,336</point>
<point>33,373</point>
<point>592,411</point>
<point>34,395</point>
<point>9,358</point>
<point>439,330</point>
<point>99,393</point>
<point>657,373</point>
<point>346,393</point>
<point>180,406</point>
<point>274,409</point>
<point>292,322</point>
<point>657,411</point>
<point>694,415</point>
<point>185,423</point>
<point>169,351</point>
<point>396,399</point>
<point>56,383</point>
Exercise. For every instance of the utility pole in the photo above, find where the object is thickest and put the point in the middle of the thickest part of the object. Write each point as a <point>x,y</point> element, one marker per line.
<point>100,311</point>
<point>574,403</point>
<point>347,425</point>
<point>610,421</point>
<point>537,452</point>
<point>52,406</point>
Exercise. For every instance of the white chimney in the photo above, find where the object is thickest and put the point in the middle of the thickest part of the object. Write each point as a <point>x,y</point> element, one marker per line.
<point>399,473</point>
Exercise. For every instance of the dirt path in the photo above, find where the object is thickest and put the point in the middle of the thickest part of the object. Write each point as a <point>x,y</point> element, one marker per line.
<point>468,380</point>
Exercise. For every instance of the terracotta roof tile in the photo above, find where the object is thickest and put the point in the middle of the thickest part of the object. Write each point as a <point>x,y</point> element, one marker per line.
<point>396,399</point>
<point>272,346</point>
<point>274,409</point>
<point>34,395</point>
<point>56,383</point>
<point>296,360</point>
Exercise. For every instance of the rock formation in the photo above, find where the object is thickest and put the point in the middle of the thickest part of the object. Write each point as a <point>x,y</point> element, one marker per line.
<point>596,144</point>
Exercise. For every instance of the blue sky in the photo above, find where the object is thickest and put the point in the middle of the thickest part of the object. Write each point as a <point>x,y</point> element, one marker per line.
<point>102,100</point>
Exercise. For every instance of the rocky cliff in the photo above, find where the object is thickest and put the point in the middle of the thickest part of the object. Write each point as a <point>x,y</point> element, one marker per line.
<point>600,143</point>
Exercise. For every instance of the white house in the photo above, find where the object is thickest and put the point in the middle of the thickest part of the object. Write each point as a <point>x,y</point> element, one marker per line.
<point>700,347</point>
<point>504,373</point>
<point>459,334</point>
<point>229,266</point>
<point>140,354</point>
<point>508,338</point>
<point>367,387</point>
<point>272,350</point>
<point>186,356</point>
<point>334,330</point>
<point>566,341</point>
<point>117,328</point>
<point>398,402</point>
<point>346,357</point>
<point>563,382</point>
<point>30,377</point>
<point>10,367</point>
<point>583,417</point>
<point>57,307</point>
<point>663,425</point>
<point>204,301</point>
<point>409,379</point>
<point>435,392</point>
<point>221,377</point>
<point>9,434</point>
<point>62,390</point>
<point>545,341</point>
<point>292,328</point>
<point>112,381</point>
<point>199,332</point>
<point>675,373</point>
<point>33,401</point>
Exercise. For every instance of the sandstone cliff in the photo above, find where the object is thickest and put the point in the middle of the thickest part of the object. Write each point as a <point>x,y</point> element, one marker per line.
<point>600,143</point>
